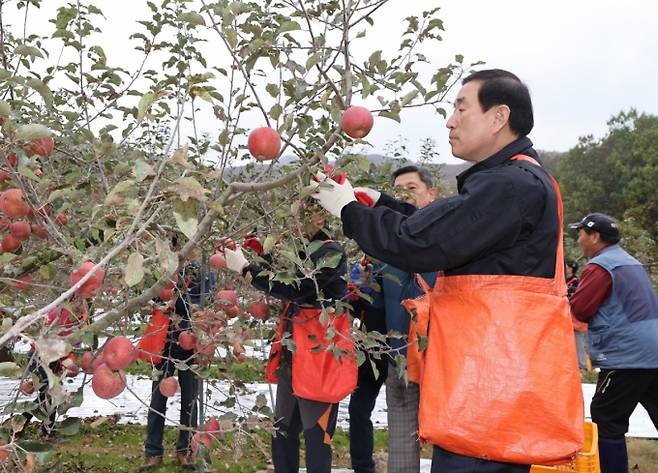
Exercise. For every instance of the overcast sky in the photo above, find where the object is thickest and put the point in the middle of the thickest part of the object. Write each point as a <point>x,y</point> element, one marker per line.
<point>583,60</point>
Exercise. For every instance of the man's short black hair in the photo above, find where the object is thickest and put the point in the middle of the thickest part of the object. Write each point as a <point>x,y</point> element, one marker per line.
<point>573,264</point>
<point>605,237</point>
<point>423,173</point>
<point>501,87</point>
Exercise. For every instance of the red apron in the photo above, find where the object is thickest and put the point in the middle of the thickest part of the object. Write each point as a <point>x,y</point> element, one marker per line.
<point>500,378</point>
<point>318,374</point>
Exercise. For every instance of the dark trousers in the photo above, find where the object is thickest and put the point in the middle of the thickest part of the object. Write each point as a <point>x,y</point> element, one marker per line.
<point>444,461</point>
<point>317,439</point>
<point>618,393</point>
<point>45,410</point>
<point>362,403</point>
<point>188,383</point>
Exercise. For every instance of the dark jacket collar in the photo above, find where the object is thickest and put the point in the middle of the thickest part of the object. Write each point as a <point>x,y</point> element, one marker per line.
<point>522,145</point>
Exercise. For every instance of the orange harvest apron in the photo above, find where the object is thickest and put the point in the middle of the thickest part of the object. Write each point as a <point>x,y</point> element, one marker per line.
<point>317,373</point>
<point>499,377</point>
<point>152,344</point>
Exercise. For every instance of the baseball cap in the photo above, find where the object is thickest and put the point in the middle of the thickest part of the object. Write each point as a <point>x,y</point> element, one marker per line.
<point>598,222</point>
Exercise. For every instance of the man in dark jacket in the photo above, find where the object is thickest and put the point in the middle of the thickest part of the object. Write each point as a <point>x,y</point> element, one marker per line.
<point>504,221</point>
<point>616,298</point>
<point>188,292</point>
<point>365,297</point>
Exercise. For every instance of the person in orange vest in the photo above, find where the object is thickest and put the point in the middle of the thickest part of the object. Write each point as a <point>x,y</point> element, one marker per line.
<point>499,317</point>
<point>313,370</point>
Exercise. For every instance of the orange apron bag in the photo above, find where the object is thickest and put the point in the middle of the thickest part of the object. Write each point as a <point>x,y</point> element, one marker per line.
<point>276,350</point>
<point>317,373</point>
<point>419,311</point>
<point>501,379</point>
<point>152,344</point>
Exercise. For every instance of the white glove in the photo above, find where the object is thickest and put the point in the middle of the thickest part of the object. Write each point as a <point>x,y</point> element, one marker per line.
<point>235,260</point>
<point>372,193</point>
<point>336,197</point>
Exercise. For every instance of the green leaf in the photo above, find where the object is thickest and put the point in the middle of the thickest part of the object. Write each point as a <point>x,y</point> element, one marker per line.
<point>59,193</point>
<point>192,18</point>
<point>312,60</point>
<point>27,172</point>
<point>47,271</point>
<point>330,261</point>
<point>185,214</point>
<point>144,104</point>
<point>272,89</point>
<point>32,131</point>
<point>142,170</point>
<point>5,109</point>
<point>24,50</point>
<point>288,26</point>
<point>10,369</point>
<point>275,111</point>
<point>134,271</point>
<point>268,244</point>
<point>390,114</point>
<point>69,426</point>
<point>42,89</point>
<point>42,451</point>
<point>189,188</point>
<point>406,100</point>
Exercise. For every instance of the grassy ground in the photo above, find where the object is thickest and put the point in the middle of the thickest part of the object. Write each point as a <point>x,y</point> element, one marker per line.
<point>108,447</point>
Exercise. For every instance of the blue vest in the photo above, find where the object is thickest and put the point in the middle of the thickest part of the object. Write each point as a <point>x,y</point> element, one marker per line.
<point>624,331</point>
<point>398,285</point>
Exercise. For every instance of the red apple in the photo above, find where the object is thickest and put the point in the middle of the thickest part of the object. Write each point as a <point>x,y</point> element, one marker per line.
<point>91,286</point>
<point>10,244</point>
<point>42,146</point>
<point>61,219</point>
<point>12,203</point>
<point>264,143</point>
<point>168,386</point>
<point>86,362</point>
<point>107,383</point>
<point>12,160</point>
<point>166,295</point>
<point>20,230</point>
<point>233,311</point>
<point>27,387</point>
<point>226,298</point>
<point>187,340</point>
<point>70,364</point>
<point>211,426</point>
<point>217,261</point>
<point>259,310</point>
<point>39,231</point>
<point>23,282</point>
<point>4,451</point>
<point>4,176</point>
<point>119,352</point>
<point>4,222</point>
<point>356,121</point>
<point>201,440</point>
<point>61,318</point>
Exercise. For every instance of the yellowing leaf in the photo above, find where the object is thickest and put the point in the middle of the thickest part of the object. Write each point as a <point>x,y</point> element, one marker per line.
<point>134,271</point>
<point>52,348</point>
<point>192,18</point>
<point>117,195</point>
<point>144,104</point>
<point>167,258</point>
<point>180,156</point>
<point>189,188</point>
<point>186,217</point>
